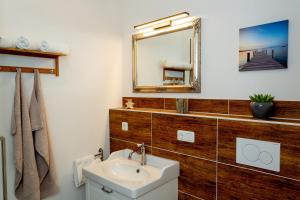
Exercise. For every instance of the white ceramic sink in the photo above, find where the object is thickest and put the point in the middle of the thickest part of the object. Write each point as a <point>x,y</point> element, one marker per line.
<point>128,177</point>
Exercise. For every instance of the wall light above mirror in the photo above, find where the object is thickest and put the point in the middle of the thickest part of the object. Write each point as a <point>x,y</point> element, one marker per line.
<point>167,55</point>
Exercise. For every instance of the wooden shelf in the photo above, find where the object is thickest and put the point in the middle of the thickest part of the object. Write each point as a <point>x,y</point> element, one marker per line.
<point>31,53</point>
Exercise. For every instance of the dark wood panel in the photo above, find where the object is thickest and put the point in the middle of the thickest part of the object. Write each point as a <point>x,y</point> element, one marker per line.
<point>170,104</point>
<point>197,177</point>
<point>282,109</point>
<point>287,109</point>
<point>183,196</point>
<point>288,136</point>
<point>209,105</point>
<point>239,107</point>
<point>140,102</point>
<point>164,132</point>
<point>139,126</point>
<point>242,184</point>
<point>116,145</point>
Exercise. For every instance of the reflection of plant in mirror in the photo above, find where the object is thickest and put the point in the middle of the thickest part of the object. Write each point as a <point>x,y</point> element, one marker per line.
<point>262,98</point>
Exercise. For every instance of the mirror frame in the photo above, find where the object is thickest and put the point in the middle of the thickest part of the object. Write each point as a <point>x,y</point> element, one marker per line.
<point>195,86</point>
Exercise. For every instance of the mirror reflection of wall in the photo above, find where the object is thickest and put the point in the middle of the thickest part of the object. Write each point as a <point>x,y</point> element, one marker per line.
<point>165,59</point>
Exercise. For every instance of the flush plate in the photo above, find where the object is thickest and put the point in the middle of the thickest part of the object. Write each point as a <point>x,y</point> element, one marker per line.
<point>257,153</point>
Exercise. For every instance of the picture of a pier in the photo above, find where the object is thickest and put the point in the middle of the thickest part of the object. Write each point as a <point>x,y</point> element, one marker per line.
<point>264,47</point>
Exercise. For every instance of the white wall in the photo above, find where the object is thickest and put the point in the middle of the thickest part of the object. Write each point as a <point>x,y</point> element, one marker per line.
<point>221,20</point>
<point>89,83</point>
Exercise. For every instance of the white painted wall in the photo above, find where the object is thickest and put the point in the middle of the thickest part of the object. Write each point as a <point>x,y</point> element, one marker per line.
<point>221,20</point>
<point>90,81</point>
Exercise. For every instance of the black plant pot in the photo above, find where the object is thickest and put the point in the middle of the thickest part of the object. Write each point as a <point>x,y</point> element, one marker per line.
<point>261,110</point>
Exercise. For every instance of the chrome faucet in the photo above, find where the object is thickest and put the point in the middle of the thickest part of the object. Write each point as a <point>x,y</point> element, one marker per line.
<point>141,151</point>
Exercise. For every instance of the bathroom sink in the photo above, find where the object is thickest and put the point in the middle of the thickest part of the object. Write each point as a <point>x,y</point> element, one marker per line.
<point>122,169</point>
<point>129,177</point>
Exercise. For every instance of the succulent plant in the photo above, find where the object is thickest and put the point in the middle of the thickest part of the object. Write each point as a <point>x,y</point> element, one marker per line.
<point>262,98</point>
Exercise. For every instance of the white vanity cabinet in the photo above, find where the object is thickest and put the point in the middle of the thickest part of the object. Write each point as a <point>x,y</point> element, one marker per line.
<point>120,178</point>
<point>95,191</point>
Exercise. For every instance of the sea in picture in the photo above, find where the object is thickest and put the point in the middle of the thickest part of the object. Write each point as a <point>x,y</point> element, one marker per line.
<point>264,47</point>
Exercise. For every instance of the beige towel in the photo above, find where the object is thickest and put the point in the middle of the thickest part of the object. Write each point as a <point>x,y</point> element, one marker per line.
<point>44,157</point>
<point>17,132</point>
<point>28,187</point>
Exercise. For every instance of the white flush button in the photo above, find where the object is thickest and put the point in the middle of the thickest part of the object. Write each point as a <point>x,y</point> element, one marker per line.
<point>257,153</point>
<point>251,152</point>
<point>265,157</point>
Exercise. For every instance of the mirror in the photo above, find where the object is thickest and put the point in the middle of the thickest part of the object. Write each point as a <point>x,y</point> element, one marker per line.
<point>168,59</point>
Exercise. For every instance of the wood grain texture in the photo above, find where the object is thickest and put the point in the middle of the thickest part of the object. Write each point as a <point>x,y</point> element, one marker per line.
<point>242,184</point>
<point>170,103</point>
<point>140,102</point>
<point>287,109</point>
<point>30,53</point>
<point>116,145</point>
<point>282,109</point>
<point>239,107</point>
<point>197,177</point>
<point>288,136</point>
<point>183,196</point>
<point>164,134</point>
<point>209,105</point>
<point>139,126</point>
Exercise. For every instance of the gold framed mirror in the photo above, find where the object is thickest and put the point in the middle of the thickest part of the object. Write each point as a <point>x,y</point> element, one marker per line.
<point>166,55</point>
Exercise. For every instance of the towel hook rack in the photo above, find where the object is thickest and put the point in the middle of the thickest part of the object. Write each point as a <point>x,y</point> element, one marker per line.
<point>32,53</point>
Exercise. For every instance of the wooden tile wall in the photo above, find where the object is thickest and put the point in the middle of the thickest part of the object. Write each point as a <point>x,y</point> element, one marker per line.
<point>197,176</point>
<point>283,109</point>
<point>237,183</point>
<point>184,196</point>
<point>287,136</point>
<point>209,105</point>
<point>154,103</point>
<point>207,167</point>
<point>164,134</point>
<point>139,126</point>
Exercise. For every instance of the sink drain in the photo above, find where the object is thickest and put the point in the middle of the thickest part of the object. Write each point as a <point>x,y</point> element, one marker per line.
<point>138,171</point>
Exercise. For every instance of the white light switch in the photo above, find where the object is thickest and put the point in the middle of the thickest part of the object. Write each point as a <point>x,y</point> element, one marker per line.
<point>256,153</point>
<point>124,126</point>
<point>186,136</point>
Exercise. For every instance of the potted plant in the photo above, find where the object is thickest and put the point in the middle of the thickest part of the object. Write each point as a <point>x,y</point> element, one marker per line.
<point>261,105</point>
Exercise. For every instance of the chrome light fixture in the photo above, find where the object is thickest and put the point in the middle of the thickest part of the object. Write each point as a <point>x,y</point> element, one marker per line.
<point>170,23</point>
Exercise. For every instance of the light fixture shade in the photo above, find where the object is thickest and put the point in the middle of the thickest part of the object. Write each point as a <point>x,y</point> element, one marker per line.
<point>162,20</point>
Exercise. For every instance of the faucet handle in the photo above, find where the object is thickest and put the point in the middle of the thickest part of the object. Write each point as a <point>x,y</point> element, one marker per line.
<point>141,145</point>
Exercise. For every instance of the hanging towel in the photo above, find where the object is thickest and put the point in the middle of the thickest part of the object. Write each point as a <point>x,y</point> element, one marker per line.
<point>17,132</point>
<point>44,157</point>
<point>28,188</point>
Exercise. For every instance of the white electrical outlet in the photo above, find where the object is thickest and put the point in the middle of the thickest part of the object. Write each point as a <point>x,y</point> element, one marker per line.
<point>186,136</point>
<point>124,126</point>
<point>256,153</point>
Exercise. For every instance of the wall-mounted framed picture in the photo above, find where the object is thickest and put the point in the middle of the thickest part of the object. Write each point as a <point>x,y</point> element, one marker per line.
<point>264,47</point>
